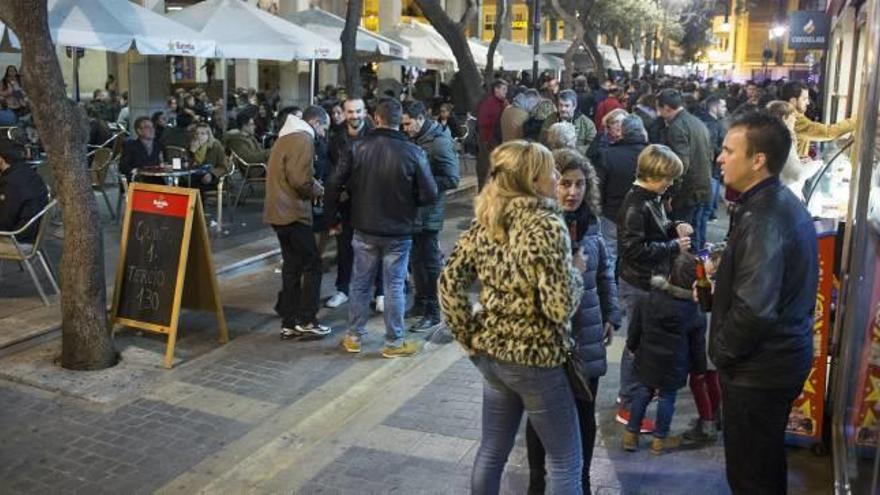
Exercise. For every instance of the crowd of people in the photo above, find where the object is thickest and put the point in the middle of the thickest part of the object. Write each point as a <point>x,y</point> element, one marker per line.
<point>591,219</point>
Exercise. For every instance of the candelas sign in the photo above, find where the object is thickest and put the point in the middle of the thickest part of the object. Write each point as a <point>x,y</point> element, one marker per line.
<point>808,30</point>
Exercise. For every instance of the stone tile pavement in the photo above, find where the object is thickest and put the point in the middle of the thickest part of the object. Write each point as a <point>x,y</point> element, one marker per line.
<point>261,415</point>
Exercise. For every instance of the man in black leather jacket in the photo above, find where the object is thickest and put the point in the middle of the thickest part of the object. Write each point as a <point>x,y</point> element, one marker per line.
<point>761,337</point>
<point>387,177</point>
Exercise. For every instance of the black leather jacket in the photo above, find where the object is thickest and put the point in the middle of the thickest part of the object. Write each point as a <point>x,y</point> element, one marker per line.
<point>387,177</point>
<point>645,244</point>
<point>765,292</point>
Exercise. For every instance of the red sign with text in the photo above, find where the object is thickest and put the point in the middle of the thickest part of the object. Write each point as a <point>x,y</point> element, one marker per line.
<point>808,409</point>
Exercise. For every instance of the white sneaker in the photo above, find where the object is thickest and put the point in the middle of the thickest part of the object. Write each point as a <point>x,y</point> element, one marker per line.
<point>380,304</point>
<point>337,300</point>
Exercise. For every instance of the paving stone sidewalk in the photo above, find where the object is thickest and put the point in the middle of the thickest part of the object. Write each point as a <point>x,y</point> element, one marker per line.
<point>261,415</point>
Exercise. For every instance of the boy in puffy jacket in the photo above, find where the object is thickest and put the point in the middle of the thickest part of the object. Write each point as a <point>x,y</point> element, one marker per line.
<point>659,336</point>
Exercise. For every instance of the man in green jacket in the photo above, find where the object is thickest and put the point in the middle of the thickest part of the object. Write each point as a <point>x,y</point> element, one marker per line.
<point>566,106</point>
<point>243,142</point>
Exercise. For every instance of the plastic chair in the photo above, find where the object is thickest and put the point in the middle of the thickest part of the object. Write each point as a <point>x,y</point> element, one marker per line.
<point>99,169</point>
<point>250,173</point>
<point>11,248</point>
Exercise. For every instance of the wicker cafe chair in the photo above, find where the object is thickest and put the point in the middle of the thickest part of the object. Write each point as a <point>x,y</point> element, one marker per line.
<point>11,248</point>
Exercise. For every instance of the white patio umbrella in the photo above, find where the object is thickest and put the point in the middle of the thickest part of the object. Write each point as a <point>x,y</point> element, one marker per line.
<point>111,25</point>
<point>427,49</point>
<point>243,30</point>
<point>330,26</point>
<point>116,26</point>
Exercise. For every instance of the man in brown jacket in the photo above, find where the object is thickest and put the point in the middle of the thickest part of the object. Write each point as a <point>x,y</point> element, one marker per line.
<point>290,189</point>
<point>807,131</point>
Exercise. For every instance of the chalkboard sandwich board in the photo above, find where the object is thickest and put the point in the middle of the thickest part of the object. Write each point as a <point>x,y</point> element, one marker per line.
<point>164,263</point>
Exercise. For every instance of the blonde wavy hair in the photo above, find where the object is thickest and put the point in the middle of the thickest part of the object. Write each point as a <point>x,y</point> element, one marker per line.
<point>515,165</point>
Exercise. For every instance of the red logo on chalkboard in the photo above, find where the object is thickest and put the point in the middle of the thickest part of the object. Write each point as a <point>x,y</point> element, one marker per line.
<point>172,205</point>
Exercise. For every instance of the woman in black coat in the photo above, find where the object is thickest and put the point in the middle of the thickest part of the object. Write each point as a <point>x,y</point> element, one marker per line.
<point>597,315</point>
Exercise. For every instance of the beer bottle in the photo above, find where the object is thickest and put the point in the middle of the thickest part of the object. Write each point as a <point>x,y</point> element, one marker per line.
<point>704,286</point>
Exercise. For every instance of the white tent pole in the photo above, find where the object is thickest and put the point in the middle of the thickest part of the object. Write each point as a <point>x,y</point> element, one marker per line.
<point>312,82</point>
<point>225,93</point>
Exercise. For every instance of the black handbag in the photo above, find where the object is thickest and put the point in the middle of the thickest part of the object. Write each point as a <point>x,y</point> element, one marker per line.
<point>580,383</point>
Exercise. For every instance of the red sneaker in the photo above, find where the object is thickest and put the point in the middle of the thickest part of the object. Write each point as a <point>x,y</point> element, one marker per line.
<point>623,418</point>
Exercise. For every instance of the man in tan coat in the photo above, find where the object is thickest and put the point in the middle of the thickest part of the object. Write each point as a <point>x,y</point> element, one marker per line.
<point>807,131</point>
<point>291,187</point>
<point>514,116</point>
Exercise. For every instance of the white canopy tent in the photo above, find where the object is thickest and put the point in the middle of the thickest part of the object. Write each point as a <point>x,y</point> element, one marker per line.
<point>518,57</point>
<point>8,40</point>
<point>330,26</point>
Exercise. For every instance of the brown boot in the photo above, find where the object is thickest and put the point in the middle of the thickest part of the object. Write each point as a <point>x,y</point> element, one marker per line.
<point>660,445</point>
<point>630,441</point>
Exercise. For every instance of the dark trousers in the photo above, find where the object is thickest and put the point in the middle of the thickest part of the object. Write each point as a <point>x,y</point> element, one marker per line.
<point>425,264</point>
<point>754,438</point>
<point>483,163</point>
<point>535,449</point>
<point>345,261</point>
<point>300,275</point>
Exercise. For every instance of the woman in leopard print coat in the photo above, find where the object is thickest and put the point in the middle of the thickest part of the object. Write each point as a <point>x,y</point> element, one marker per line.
<point>519,250</point>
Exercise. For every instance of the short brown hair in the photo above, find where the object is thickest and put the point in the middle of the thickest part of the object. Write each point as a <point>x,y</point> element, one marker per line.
<point>780,109</point>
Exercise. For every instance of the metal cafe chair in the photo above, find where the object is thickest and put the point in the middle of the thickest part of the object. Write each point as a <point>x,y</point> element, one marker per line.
<point>100,167</point>
<point>250,173</point>
<point>11,248</point>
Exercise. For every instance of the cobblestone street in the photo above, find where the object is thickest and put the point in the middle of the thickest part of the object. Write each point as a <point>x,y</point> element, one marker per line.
<point>261,415</point>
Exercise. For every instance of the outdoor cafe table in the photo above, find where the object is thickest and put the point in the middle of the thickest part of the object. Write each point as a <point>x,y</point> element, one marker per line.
<point>172,176</point>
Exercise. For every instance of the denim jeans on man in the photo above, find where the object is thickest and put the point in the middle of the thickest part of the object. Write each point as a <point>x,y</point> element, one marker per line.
<point>642,395</point>
<point>300,295</point>
<point>426,266</point>
<point>345,260</point>
<point>628,295</point>
<point>754,437</point>
<point>392,254</point>
<point>700,223</point>
<point>544,394</point>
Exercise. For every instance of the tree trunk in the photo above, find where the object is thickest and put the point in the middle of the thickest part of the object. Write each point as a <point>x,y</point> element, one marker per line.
<point>86,342</point>
<point>593,49</point>
<point>568,59</point>
<point>348,38</point>
<point>453,33</point>
<point>617,54</point>
<point>500,22</point>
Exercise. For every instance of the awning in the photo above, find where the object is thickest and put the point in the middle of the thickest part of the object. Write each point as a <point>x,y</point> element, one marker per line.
<point>116,26</point>
<point>330,26</point>
<point>245,31</point>
<point>559,47</point>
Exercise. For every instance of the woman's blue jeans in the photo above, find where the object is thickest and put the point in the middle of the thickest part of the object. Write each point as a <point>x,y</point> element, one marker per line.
<point>545,395</point>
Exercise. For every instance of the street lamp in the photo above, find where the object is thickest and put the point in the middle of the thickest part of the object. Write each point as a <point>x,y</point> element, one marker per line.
<point>777,32</point>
